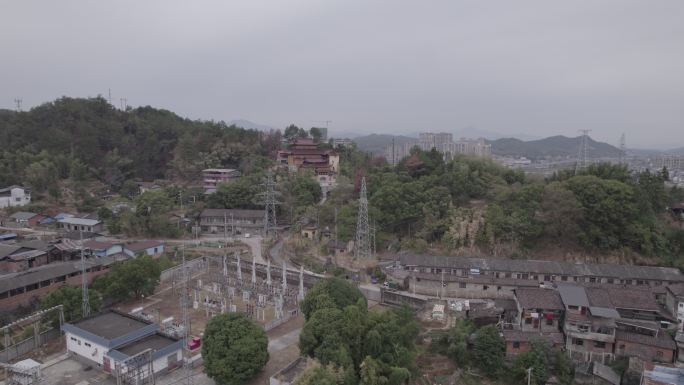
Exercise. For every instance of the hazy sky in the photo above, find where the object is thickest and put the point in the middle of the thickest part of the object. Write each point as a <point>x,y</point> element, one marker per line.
<point>531,67</point>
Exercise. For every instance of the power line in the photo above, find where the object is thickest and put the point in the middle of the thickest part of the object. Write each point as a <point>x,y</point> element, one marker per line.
<point>362,246</point>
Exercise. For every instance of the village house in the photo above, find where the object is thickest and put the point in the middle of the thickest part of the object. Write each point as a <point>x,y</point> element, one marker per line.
<point>231,222</point>
<point>24,219</point>
<point>212,177</point>
<point>14,196</point>
<point>15,258</point>
<point>151,248</point>
<point>103,249</point>
<point>539,309</point>
<point>589,330</point>
<point>674,301</point>
<point>518,341</point>
<point>657,346</point>
<point>80,224</point>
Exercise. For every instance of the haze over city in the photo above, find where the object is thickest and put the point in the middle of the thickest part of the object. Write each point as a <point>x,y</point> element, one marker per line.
<point>534,68</point>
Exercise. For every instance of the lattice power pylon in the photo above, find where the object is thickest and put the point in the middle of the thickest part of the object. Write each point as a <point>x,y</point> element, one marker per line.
<point>269,201</point>
<point>582,153</point>
<point>185,305</point>
<point>362,244</point>
<point>85,298</point>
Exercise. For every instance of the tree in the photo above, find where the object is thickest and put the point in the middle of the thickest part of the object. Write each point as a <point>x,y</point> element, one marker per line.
<point>130,279</point>
<point>339,293</point>
<point>488,350</point>
<point>71,299</point>
<point>560,212</point>
<point>234,349</point>
<point>320,375</point>
<point>293,132</point>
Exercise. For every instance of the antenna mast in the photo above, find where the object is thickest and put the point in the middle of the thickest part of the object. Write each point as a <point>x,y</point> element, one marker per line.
<point>18,102</point>
<point>362,246</point>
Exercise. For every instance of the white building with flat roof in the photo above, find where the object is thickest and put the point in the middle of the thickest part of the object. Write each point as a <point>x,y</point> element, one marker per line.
<point>14,196</point>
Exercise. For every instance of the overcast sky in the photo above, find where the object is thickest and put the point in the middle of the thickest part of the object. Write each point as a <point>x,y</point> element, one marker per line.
<point>514,67</point>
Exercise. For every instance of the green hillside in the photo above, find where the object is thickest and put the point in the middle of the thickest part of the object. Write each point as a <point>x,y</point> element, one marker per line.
<point>553,147</point>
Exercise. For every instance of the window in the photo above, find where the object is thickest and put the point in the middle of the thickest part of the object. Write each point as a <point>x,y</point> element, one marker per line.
<point>525,276</point>
<point>681,304</point>
<point>498,288</point>
<point>659,354</point>
<point>485,287</point>
<point>610,280</point>
<point>462,285</point>
<point>508,275</point>
<point>599,344</point>
<point>564,278</point>
<point>547,278</point>
<point>640,282</point>
<point>573,307</point>
<point>592,279</point>
<point>73,339</point>
<point>621,347</point>
<point>88,345</point>
<point>516,344</point>
<point>578,341</point>
<point>528,321</point>
<point>549,321</point>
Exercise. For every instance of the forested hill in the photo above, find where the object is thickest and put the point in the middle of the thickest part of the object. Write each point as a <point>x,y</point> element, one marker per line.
<point>553,146</point>
<point>72,136</point>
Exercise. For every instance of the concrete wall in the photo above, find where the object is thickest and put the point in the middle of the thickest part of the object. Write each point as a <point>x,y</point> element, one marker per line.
<point>456,289</point>
<point>79,346</point>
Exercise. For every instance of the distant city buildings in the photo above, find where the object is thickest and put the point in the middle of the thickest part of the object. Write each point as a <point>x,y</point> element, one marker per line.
<point>211,178</point>
<point>344,142</point>
<point>442,142</point>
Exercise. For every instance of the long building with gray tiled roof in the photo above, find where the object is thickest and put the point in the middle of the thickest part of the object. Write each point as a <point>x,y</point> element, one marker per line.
<point>541,271</point>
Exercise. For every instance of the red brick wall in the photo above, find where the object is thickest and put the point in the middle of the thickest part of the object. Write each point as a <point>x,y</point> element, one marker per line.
<point>645,351</point>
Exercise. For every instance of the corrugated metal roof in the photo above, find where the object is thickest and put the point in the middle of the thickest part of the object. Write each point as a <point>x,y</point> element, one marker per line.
<point>79,221</point>
<point>573,295</point>
<point>545,267</point>
<point>45,272</point>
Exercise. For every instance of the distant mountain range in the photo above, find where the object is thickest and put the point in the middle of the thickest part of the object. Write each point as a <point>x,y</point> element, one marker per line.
<point>250,125</point>
<point>553,146</point>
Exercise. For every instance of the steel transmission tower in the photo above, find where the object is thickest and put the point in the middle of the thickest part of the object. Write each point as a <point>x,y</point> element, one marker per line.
<point>85,298</point>
<point>362,245</point>
<point>582,154</point>
<point>623,149</point>
<point>269,202</point>
<point>185,304</point>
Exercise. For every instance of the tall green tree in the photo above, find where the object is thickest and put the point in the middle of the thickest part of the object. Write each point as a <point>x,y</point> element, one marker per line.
<point>488,350</point>
<point>70,297</point>
<point>235,349</point>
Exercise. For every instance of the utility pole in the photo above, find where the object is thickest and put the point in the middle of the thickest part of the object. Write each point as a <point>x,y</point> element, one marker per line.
<point>623,149</point>
<point>109,92</point>
<point>85,300</point>
<point>225,227</point>
<point>582,154</point>
<point>362,247</point>
<point>394,161</point>
<point>335,250</point>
